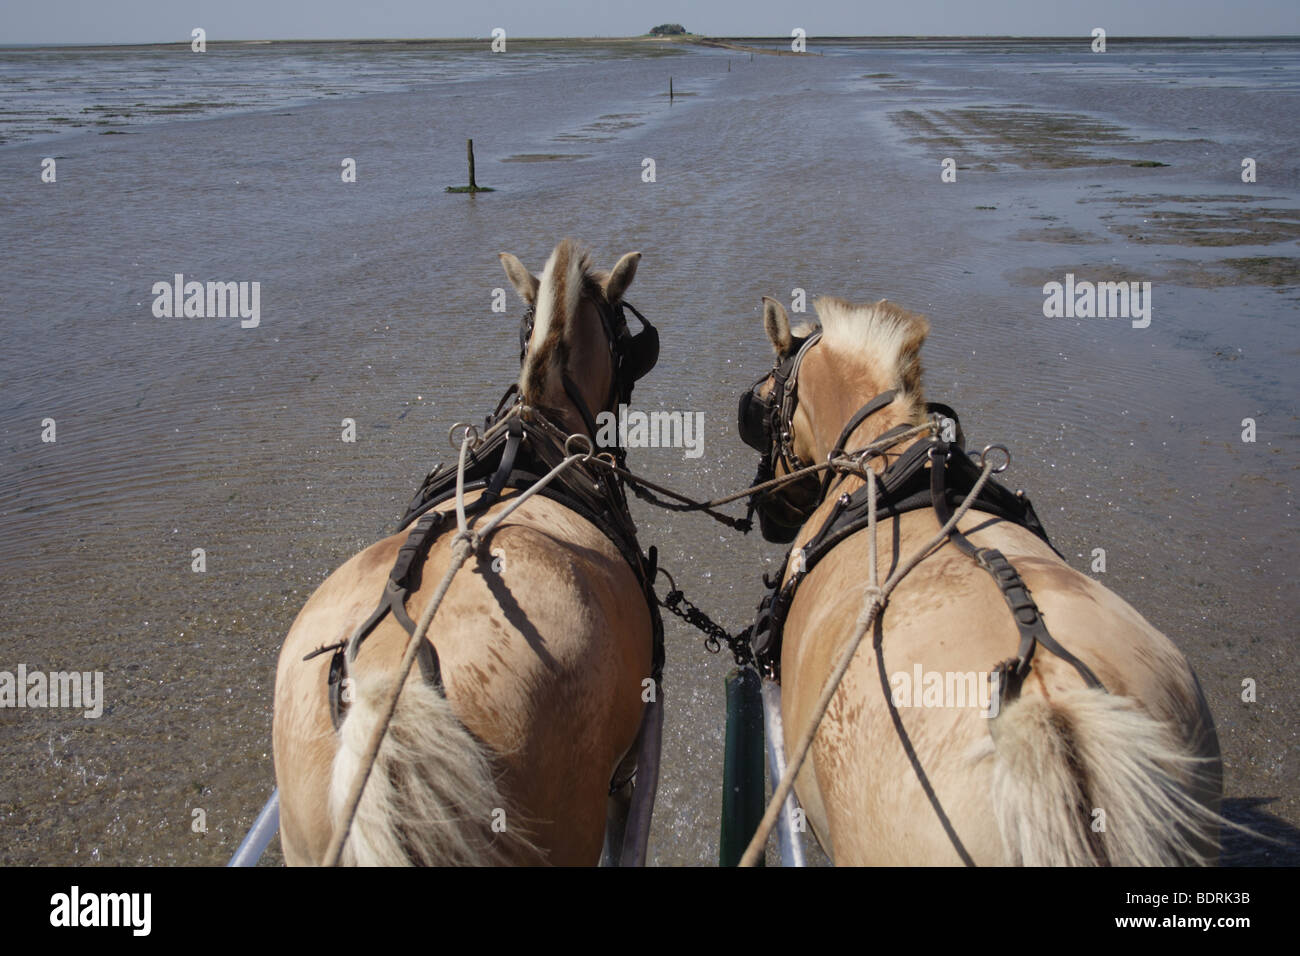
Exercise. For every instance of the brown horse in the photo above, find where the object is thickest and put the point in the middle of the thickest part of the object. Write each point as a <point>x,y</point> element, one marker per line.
<point>543,645</point>
<point>904,771</point>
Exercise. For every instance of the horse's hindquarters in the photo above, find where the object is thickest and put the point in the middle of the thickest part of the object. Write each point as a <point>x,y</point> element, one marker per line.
<point>543,639</point>
<point>907,769</point>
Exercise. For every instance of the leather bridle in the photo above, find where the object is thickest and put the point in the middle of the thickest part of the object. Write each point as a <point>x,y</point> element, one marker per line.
<point>766,424</point>
<point>633,355</point>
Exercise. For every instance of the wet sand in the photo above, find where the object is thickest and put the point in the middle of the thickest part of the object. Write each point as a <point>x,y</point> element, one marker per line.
<point>785,172</point>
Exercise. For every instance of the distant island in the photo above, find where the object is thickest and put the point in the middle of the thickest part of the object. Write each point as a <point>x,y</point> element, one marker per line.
<point>668,30</point>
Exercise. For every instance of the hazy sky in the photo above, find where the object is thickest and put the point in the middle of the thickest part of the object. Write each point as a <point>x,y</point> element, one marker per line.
<point>148,21</point>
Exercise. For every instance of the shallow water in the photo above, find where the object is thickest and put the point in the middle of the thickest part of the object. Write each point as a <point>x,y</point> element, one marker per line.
<point>779,173</point>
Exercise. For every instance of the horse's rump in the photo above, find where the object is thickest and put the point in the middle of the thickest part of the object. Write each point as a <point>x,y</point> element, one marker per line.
<point>541,653</point>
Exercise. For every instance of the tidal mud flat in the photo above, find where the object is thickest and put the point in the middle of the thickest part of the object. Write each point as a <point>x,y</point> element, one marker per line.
<point>376,306</point>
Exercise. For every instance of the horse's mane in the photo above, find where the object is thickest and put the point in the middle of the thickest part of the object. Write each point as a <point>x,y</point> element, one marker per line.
<point>567,276</point>
<point>884,336</point>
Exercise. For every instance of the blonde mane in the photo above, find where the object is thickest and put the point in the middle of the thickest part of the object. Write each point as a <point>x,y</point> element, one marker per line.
<point>566,276</point>
<point>884,337</point>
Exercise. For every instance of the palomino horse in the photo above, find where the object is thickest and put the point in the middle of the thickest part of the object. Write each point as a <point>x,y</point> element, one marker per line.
<point>1104,750</point>
<point>503,750</point>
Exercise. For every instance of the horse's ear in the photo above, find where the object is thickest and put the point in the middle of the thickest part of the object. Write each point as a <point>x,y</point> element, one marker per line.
<point>525,282</point>
<point>620,277</point>
<point>777,323</point>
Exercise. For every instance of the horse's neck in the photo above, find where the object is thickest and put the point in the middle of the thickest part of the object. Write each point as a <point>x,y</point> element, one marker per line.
<point>865,434</point>
<point>565,416</point>
<point>587,349</point>
<point>867,431</point>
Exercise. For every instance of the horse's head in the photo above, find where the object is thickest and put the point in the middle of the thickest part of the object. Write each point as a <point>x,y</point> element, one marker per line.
<point>833,387</point>
<point>578,356</point>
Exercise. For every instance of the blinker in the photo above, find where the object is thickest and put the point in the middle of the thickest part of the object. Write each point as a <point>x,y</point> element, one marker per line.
<point>754,418</point>
<point>638,353</point>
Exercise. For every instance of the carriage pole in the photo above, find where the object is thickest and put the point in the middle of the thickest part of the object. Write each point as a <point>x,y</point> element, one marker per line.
<point>742,767</point>
<point>787,830</point>
<point>260,833</point>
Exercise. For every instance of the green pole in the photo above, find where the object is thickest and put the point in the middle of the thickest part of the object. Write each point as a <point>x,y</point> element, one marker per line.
<point>742,767</point>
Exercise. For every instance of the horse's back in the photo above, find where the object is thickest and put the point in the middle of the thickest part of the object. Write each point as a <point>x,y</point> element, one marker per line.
<point>543,640</point>
<point>891,782</point>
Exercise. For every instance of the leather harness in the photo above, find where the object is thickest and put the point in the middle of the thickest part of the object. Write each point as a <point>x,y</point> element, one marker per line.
<point>520,445</point>
<point>933,473</point>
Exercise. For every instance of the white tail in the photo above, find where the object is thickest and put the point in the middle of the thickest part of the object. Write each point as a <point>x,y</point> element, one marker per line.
<point>1088,779</point>
<point>432,796</point>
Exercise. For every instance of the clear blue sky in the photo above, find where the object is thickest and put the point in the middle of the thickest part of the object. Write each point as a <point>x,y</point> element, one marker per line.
<point>149,21</point>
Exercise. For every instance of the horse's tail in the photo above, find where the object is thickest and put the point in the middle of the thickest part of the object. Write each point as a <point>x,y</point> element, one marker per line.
<point>1087,778</point>
<point>432,796</point>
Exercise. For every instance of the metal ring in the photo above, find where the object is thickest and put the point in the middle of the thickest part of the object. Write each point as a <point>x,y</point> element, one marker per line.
<point>586,456</point>
<point>937,423</point>
<point>608,458</point>
<point>864,455</point>
<point>468,428</point>
<point>1002,448</point>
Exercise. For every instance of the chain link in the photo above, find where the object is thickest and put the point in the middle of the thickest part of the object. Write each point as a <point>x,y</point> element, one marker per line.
<point>714,634</point>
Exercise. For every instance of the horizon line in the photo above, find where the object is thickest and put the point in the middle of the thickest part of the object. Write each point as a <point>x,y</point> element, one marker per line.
<point>677,38</point>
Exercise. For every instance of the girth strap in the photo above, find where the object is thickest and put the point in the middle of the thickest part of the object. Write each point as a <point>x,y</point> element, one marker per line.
<point>1024,611</point>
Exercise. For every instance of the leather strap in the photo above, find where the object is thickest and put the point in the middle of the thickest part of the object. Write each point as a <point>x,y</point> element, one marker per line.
<point>902,487</point>
<point>515,435</point>
<point>1024,611</point>
<point>403,577</point>
<point>861,415</point>
<point>575,396</point>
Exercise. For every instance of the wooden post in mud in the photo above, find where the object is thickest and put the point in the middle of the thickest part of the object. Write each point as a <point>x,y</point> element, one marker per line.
<point>473,186</point>
<point>670,89</point>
